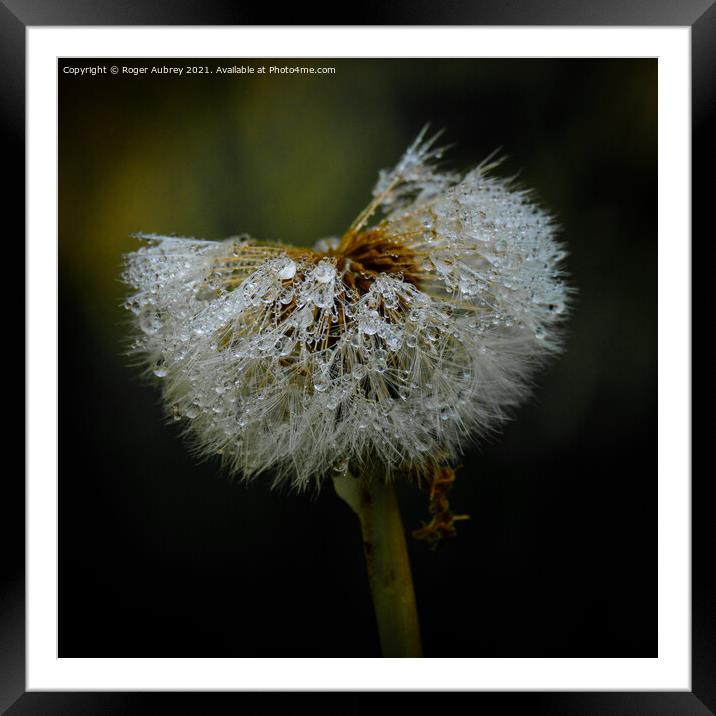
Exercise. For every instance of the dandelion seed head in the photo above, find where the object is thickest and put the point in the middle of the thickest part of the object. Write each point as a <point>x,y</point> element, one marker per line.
<point>414,333</point>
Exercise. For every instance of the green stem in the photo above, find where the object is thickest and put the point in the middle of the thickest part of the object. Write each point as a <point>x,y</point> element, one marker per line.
<point>388,564</point>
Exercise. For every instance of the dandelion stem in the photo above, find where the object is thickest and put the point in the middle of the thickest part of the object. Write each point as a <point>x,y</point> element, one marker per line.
<point>387,561</point>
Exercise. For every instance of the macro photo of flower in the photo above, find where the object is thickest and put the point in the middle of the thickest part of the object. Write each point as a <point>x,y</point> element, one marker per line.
<point>376,383</point>
<point>395,344</point>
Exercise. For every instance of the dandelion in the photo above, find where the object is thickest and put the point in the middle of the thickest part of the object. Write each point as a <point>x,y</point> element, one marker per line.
<point>379,354</point>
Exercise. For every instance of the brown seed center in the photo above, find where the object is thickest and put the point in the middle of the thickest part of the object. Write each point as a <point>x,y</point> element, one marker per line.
<point>361,257</point>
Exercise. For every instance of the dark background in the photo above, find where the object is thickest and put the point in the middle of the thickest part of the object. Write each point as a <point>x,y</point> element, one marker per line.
<point>161,556</point>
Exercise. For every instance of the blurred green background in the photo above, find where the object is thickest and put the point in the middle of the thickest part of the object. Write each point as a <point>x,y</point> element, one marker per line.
<point>172,559</point>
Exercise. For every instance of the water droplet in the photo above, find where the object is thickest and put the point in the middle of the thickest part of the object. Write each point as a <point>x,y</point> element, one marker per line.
<point>321,384</point>
<point>305,317</point>
<point>288,271</point>
<point>150,322</point>
<point>440,266</point>
<point>324,273</point>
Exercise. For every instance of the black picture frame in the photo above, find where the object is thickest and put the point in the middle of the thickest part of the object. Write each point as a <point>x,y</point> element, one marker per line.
<point>16,15</point>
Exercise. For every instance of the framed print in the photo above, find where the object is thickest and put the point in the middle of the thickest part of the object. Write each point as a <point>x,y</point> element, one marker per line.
<point>435,276</point>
